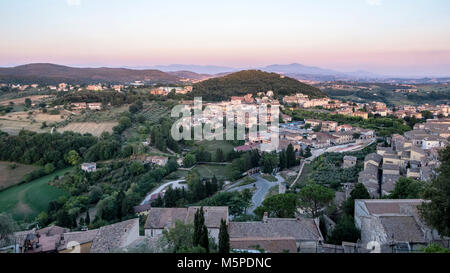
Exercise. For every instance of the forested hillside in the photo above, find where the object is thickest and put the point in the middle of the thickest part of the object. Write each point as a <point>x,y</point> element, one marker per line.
<point>252,81</point>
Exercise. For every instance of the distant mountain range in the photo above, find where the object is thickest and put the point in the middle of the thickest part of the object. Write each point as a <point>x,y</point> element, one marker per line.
<point>199,69</point>
<point>294,70</point>
<point>45,73</point>
<point>54,74</point>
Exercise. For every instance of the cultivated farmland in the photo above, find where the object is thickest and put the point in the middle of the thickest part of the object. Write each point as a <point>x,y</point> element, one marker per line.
<point>24,202</point>
<point>12,173</point>
<point>95,129</point>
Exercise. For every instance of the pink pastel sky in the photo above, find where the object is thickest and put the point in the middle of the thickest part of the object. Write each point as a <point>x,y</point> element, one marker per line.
<point>396,37</point>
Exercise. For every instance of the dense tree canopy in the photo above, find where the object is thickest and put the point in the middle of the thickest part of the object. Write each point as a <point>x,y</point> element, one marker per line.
<point>251,81</point>
<point>314,198</point>
<point>34,148</point>
<point>279,206</point>
<point>436,212</point>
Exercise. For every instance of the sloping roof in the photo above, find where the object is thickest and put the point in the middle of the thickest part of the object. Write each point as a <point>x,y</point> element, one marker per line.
<point>51,231</point>
<point>375,157</point>
<point>81,237</point>
<point>160,218</point>
<point>271,245</point>
<point>300,229</point>
<point>391,167</point>
<point>390,206</point>
<point>402,229</point>
<point>351,158</point>
<point>112,237</point>
<point>142,208</point>
<point>213,215</point>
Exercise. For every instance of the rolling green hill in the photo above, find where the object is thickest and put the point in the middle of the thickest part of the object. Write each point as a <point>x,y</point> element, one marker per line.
<point>251,81</point>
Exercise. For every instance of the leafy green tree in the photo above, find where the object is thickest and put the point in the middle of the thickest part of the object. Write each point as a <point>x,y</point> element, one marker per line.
<point>314,197</point>
<point>27,102</point>
<point>283,160</point>
<point>427,115</point>
<point>308,153</point>
<point>189,160</point>
<point>195,185</point>
<point>42,219</point>
<point>234,171</point>
<point>224,238</point>
<point>436,248</point>
<point>220,157</point>
<point>158,203</point>
<point>255,158</point>
<point>137,168</point>
<point>436,212</point>
<point>180,237</point>
<point>64,219</point>
<point>268,162</point>
<point>279,206</point>
<point>344,231</point>
<point>172,165</point>
<point>290,156</point>
<point>95,194</point>
<point>125,122</point>
<point>359,192</point>
<point>237,202</point>
<point>7,226</point>
<point>407,188</point>
<point>49,168</point>
<point>73,157</point>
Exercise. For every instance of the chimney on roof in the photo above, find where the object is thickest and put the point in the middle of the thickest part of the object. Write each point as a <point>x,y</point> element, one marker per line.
<point>265,217</point>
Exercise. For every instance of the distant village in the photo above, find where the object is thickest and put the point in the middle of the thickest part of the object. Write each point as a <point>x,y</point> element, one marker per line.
<point>394,224</point>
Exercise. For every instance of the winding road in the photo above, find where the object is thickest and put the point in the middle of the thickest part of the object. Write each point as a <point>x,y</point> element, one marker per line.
<point>262,187</point>
<point>175,184</point>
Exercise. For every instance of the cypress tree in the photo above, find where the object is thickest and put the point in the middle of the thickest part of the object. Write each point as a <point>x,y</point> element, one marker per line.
<point>119,203</point>
<point>199,222</point>
<point>204,240</point>
<point>214,184</point>
<point>224,238</point>
<point>87,220</point>
<point>283,160</point>
<point>290,156</point>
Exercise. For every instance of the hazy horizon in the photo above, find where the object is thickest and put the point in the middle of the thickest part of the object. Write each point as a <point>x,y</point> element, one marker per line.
<point>386,37</point>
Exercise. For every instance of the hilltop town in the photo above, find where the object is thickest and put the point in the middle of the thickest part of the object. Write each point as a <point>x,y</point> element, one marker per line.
<point>345,175</point>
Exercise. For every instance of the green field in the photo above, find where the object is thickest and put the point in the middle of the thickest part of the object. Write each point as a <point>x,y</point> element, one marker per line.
<point>212,146</point>
<point>24,202</point>
<point>208,171</point>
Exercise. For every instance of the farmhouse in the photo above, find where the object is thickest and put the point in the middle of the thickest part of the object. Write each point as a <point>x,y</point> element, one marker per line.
<point>95,106</point>
<point>158,160</point>
<point>89,167</point>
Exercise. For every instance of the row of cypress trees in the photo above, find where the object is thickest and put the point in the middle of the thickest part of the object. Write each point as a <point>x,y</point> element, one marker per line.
<point>201,238</point>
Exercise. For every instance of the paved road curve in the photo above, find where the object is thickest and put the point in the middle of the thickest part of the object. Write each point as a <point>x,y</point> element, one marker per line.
<point>262,187</point>
<point>175,184</point>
